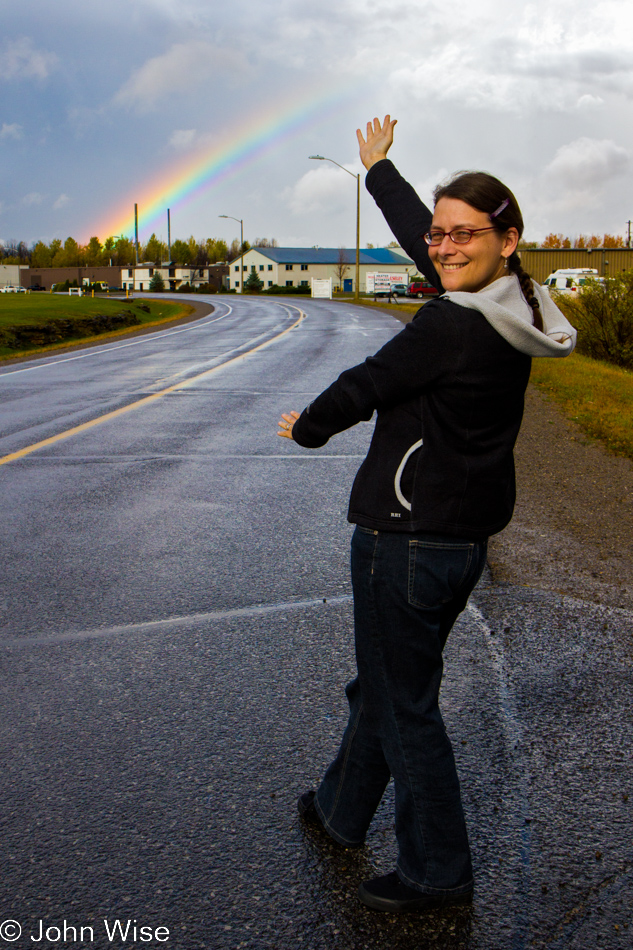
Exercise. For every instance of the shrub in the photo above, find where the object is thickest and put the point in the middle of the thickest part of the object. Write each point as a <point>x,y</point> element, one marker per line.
<point>60,288</point>
<point>276,289</point>
<point>16,337</point>
<point>603,315</point>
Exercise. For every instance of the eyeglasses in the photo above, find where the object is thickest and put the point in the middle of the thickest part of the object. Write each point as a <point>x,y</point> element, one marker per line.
<point>457,235</point>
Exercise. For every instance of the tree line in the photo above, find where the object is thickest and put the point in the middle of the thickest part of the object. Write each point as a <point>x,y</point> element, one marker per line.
<point>120,251</point>
<point>580,241</point>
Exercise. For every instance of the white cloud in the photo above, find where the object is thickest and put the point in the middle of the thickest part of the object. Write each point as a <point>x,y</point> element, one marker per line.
<point>587,163</point>
<point>12,131</point>
<point>182,139</point>
<point>33,198</point>
<point>180,11</point>
<point>538,56</point>
<point>581,173</point>
<point>20,60</point>
<point>61,202</point>
<point>589,102</point>
<point>426,187</point>
<point>524,76</point>
<point>323,189</point>
<point>182,70</point>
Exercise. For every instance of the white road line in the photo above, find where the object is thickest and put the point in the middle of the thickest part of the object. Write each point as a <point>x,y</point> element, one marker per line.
<point>188,620</point>
<point>105,349</point>
<point>27,450</point>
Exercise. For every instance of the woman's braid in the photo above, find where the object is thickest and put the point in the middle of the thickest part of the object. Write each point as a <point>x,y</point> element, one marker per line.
<point>514,263</point>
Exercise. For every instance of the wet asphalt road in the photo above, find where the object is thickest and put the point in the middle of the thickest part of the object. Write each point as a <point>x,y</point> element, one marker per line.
<point>175,637</point>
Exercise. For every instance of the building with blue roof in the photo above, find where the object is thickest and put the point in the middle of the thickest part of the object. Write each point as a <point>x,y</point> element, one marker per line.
<point>296,266</point>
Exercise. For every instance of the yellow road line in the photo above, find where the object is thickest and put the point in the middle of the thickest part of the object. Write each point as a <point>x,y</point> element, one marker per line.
<point>146,399</point>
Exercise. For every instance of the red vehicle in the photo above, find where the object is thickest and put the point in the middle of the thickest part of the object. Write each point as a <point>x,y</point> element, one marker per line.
<point>421,288</point>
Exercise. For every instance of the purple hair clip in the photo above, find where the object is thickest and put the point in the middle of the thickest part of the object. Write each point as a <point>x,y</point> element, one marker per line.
<point>502,207</point>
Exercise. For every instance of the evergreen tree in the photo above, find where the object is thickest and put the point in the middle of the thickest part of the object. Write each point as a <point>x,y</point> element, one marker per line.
<point>236,249</point>
<point>125,253</point>
<point>72,256</point>
<point>94,252</point>
<point>57,253</point>
<point>192,244</point>
<point>155,250</point>
<point>41,255</point>
<point>217,250</point>
<point>180,252</point>
<point>253,284</point>
<point>157,284</point>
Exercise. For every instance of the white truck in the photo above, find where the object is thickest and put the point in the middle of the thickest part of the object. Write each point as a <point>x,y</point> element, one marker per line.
<point>570,280</point>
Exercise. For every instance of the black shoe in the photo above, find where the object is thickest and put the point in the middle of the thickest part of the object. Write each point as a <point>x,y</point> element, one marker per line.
<point>306,809</point>
<point>390,894</point>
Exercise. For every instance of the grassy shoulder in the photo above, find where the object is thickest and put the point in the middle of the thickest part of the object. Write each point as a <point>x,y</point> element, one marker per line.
<point>41,310</point>
<point>597,396</point>
<point>406,306</point>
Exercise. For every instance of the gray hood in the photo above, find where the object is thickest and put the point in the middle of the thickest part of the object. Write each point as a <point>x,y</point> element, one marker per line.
<point>506,309</point>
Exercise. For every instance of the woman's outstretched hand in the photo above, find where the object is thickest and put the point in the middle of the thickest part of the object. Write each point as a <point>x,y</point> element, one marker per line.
<point>286,423</point>
<point>378,142</point>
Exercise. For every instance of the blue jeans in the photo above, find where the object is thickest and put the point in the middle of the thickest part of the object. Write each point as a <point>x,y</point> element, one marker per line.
<point>408,592</point>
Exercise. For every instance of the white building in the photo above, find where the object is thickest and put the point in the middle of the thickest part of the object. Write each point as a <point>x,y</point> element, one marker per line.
<point>10,274</point>
<point>296,266</point>
<point>138,277</point>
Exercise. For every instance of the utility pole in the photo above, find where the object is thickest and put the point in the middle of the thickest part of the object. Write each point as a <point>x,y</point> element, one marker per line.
<point>322,158</point>
<point>628,240</point>
<point>241,223</point>
<point>168,236</point>
<point>136,231</point>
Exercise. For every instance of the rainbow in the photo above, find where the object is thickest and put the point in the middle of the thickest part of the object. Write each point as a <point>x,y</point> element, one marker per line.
<point>196,174</point>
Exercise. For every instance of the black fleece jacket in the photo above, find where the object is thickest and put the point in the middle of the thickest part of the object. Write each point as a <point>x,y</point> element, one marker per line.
<point>448,391</point>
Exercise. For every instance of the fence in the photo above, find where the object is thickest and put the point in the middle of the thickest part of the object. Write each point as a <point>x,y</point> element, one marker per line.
<point>539,262</point>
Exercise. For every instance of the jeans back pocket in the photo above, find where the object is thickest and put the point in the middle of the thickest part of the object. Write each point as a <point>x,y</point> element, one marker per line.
<point>438,570</point>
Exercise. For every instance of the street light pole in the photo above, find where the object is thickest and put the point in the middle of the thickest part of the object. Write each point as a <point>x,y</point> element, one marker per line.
<point>241,222</point>
<point>322,158</point>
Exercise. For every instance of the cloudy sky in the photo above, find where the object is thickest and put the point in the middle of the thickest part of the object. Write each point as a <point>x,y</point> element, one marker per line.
<point>213,108</point>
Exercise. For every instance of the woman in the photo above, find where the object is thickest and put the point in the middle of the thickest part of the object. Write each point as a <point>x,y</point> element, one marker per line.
<point>437,481</point>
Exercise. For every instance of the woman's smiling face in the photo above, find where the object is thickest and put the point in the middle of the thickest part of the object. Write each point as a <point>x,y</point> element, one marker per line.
<point>469,267</point>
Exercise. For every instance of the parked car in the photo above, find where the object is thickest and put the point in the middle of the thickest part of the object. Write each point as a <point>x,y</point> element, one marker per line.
<point>395,290</point>
<point>8,289</point>
<point>421,288</point>
<point>570,280</point>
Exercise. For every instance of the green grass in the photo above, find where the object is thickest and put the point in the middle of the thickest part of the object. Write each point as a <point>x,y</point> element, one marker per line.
<point>410,306</point>
<point>598,396</point>
<point>38,309</point>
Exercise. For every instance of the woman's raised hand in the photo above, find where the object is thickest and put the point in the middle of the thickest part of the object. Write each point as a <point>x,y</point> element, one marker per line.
<point>379,140</point>
<point>286,423</point>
